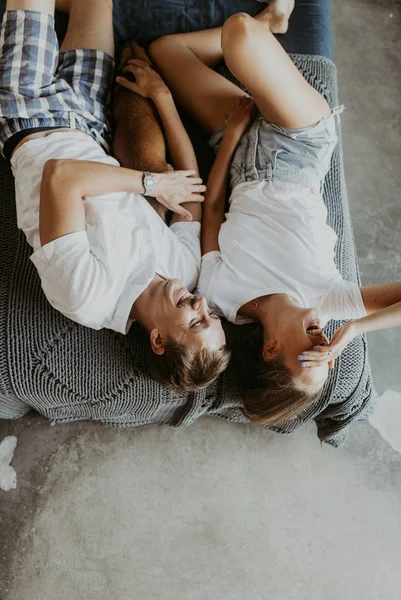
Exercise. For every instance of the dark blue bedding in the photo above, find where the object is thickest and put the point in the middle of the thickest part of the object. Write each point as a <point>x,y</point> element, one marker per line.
<point>146,20</point>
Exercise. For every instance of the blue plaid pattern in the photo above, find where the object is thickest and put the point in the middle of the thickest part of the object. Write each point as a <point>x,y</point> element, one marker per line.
<point>42,87</point>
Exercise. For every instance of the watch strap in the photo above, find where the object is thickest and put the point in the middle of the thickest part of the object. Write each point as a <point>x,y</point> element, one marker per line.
<point>149,183</point>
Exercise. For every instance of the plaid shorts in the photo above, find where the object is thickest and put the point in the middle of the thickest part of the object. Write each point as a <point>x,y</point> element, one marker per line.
<point>42,87</point>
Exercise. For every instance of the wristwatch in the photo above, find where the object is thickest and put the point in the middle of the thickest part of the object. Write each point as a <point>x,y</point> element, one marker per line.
<point>149,183</point>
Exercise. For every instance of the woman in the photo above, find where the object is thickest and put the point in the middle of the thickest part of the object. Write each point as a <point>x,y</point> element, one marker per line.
<point>270,259</point>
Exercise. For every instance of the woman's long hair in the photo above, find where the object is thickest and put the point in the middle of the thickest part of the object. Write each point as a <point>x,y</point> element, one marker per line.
<point>271,395</point>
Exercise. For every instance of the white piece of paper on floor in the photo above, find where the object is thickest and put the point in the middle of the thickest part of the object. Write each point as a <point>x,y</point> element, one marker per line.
<point>387,418</point>
<point>8,476</point>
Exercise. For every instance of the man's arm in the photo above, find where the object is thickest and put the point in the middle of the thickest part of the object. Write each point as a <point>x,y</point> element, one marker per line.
<point>65,184</point>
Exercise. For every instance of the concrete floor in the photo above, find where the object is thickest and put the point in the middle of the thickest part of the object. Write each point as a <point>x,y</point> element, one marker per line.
<point>222,511</point>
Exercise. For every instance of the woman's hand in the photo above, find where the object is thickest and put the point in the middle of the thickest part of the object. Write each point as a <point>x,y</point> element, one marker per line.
<point>240,117</point>
<point>175,187</point>
<point>328,354</point>
<point>147,84</point>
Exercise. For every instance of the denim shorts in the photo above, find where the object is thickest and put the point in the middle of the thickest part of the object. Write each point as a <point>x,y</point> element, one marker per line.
<point>267,152</point>
<point>41,87</point>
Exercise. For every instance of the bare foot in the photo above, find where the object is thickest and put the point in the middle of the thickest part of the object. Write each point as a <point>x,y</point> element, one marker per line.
<point>276,15</point>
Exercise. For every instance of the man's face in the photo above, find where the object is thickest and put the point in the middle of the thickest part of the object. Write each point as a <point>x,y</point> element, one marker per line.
<point>185,318</point>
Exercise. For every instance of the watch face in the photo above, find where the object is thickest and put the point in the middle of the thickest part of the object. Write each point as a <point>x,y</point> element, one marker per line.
<point>149,181</point>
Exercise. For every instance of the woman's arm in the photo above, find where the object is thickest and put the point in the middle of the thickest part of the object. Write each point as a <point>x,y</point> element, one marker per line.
<point>216,193</point>
<point>65,184</point>
<point>150,85</point>
<point>379,296</point>
<point>180,146</point>
<point>382,303</point>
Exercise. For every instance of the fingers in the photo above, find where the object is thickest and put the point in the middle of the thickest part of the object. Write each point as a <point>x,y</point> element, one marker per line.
<point>129,85</point>
<point>133,69</point>
<point>316,357</point>
<point>137,66</point>
<point>200,189</point>
<point>318,354</point>
<point>194,198</point>
<point>188,173</point>
<point>137,62</point>
<point>183,213</point>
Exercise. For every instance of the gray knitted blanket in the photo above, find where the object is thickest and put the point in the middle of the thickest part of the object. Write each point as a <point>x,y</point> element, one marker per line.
<point>67,372</point>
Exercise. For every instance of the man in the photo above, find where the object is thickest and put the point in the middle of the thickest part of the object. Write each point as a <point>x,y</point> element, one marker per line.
<point>103,254</point>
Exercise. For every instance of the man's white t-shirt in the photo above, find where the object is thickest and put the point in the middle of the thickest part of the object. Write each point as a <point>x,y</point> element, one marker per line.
<point>94,276</point>
<point>275,240</point>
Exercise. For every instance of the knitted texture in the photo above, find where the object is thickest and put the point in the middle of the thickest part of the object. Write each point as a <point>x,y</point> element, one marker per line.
<point>67,372</point>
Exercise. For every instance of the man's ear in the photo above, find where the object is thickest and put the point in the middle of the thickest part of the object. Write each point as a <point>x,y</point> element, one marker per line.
<point>156,341</point>
<point>270,350</point>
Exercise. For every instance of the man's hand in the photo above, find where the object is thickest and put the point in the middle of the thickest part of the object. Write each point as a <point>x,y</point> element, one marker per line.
<point>176,187</point>
<point>147,84</point>
<point>240,117</point>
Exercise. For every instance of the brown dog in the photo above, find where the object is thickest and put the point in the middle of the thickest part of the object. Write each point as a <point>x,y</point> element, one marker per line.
<point>139,139</point>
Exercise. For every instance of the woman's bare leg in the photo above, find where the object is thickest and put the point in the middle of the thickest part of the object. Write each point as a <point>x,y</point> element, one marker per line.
<point>255,57</point>
<point>186,63</point>
<point>257,60</point>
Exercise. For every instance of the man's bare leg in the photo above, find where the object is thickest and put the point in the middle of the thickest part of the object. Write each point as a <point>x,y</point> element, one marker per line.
<point>90,25</point>
<point>257,60</point>
<point>46,6</point>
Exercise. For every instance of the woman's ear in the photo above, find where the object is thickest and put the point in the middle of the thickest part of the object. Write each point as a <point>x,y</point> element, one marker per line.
<point>270,350</point>
<point>156,341</point>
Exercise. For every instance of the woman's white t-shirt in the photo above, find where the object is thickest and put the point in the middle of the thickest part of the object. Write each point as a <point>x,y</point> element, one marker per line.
<point>276,240</point>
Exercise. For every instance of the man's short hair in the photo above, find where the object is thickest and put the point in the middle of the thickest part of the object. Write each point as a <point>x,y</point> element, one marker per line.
<point>184,368</point>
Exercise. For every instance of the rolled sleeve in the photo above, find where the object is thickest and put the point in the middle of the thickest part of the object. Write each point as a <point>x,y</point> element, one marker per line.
<point>210,262</point>
<point>75,281</point>
<point>120,319</point>
<point>189,237</point>
<point>343,302</point>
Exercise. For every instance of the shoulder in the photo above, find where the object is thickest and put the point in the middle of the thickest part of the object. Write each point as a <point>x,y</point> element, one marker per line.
<point>209,265</point>
<point>74,281</point>
<point>343,301</point>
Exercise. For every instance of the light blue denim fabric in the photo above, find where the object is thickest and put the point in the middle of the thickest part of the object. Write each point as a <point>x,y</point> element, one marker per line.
<point>267,152</point>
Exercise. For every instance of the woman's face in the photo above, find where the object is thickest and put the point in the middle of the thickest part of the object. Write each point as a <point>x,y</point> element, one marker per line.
<point>294,335</point>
